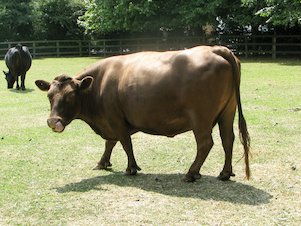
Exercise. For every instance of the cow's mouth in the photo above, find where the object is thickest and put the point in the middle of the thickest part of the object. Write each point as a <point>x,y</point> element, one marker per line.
<point>56,125</point>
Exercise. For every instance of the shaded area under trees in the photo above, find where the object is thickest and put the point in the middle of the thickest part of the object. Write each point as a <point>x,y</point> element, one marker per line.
<point>92,19</point>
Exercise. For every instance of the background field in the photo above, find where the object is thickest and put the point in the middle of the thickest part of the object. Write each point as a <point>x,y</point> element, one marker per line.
<point>47,178</point>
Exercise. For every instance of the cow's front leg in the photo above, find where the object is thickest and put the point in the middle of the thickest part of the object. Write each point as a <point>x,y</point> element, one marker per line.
<point>104,162</point>
<point>128,147</point>
<point>23,82</point>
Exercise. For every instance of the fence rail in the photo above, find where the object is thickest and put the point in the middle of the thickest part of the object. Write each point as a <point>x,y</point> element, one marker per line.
<point>247,46</point>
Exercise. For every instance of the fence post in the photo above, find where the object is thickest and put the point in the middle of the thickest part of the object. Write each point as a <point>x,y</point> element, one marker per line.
<point>34,49</point>
<point>57,49</point>
<point>80,48</point>
<point>120,47</point>
<point>104,48</point>
<point>274,47</point>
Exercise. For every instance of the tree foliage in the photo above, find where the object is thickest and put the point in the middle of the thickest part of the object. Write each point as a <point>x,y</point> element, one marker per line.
<point>72,19</point>
<point>188,16</point>
<point>58,19</point>
<point>40,19</point>
<point>283,12</point>
<point>16,19</point>
<point>278,12</point>
<point>236,17</point>
<point>106,16</point>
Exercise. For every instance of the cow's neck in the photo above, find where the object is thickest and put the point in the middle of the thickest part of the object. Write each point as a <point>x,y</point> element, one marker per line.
<point>90,103</point>
<point>89,107</point>
<point>92,110</point>
<point>91,113</point>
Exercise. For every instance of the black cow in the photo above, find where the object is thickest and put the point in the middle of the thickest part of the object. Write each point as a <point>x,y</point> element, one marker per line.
<point>18,60</point>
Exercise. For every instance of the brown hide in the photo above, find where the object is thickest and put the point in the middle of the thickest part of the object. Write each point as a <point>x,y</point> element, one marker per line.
<point>161,93</point>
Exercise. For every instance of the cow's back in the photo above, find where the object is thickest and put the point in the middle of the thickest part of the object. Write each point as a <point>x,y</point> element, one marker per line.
<point>18,61</point>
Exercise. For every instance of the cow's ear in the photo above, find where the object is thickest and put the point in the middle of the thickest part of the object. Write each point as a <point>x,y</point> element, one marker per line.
<point>43,85</point>
<point>86,83</point>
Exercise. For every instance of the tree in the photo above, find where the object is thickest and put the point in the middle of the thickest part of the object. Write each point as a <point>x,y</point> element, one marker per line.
<point>40,19</point>
<point>188,16</point>
<point>16,20</point>
<point>58,19</point>
<point>70,19</point>
<point>151,16</point>
<point>279,12</point>
<point>236,17</point>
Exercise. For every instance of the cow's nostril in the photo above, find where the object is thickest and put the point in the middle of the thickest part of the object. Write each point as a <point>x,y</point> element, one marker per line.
<point>51,122</point>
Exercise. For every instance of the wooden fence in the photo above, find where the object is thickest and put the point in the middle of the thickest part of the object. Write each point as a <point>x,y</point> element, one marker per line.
<point>246,46</point>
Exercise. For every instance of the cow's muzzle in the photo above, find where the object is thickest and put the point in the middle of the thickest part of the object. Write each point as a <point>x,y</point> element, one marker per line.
<point>56,124</point>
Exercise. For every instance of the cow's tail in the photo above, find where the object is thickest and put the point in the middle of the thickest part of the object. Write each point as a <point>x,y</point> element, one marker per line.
<point>19,47</point>
<point>242,125</point>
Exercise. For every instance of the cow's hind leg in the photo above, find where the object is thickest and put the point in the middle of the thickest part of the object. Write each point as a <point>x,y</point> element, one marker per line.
<point>17,82</point>
<point>227,136</point>
<point>23,81</point>
<point>204,144</point>
<point>104,162</point>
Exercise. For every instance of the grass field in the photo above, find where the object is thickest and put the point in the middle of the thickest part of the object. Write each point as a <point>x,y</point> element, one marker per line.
<point>47,178</point>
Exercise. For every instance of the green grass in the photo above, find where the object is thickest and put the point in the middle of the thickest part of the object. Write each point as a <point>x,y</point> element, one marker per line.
<point>47,178</point>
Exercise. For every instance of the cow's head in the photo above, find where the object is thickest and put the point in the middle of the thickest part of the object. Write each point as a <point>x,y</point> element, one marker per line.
<point>64,94</point>
<point>10,79</point>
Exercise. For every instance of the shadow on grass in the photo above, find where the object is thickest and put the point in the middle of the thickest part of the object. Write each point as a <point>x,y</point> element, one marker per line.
<point>21,91</point>
<point>207,188</point>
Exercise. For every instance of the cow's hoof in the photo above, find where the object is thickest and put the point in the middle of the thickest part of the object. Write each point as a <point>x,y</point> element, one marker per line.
<point>224,176</point>
<point>23,88</point>
<point>102,166</point>
<point>191,177</point>
<point>132,170</point>
<point>17,88</point>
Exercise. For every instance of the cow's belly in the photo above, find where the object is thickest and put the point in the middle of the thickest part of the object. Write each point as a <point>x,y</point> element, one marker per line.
<point>159,120</point>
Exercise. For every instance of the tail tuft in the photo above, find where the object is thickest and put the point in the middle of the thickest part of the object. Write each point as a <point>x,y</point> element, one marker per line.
<point>245,140</point>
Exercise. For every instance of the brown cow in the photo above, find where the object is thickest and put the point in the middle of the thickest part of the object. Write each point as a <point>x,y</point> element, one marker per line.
<point>161,93</point>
